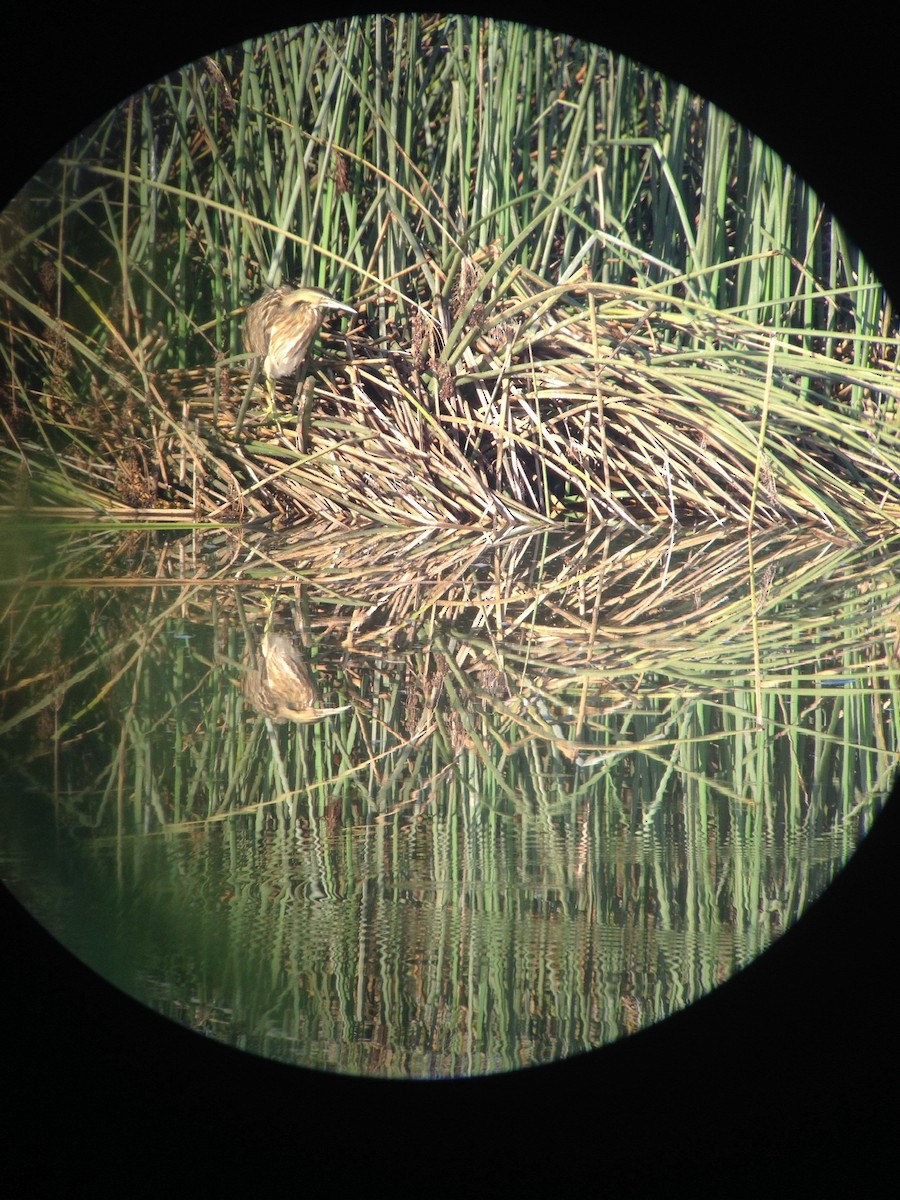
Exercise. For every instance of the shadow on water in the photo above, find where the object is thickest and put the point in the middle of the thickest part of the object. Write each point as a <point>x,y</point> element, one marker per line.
<point>437,804</point>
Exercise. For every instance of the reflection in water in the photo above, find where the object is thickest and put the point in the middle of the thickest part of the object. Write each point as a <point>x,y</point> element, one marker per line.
<point>448,943</point>
<point>280,685</point>
<point>565,786</point>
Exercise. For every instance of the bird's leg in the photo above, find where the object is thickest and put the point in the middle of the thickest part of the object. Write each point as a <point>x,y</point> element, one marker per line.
<point>273,415</point>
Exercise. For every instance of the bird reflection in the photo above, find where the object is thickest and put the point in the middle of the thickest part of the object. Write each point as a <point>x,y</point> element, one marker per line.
<point>280,685</point>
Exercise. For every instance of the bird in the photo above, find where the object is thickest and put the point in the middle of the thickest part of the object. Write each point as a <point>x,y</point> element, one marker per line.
<point>281,687</point>
<point>279,328</point>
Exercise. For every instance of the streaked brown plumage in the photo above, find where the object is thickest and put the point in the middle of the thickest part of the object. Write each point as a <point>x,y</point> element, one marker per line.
<point>281,686</point>
<point>280,327</point>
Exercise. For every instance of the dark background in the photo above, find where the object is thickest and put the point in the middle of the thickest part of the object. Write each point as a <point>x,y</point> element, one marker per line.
<point>784,1082</point>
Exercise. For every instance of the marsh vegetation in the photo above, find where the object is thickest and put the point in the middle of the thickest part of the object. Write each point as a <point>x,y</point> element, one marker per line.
<point>551,623</point>
<point>582,295</point>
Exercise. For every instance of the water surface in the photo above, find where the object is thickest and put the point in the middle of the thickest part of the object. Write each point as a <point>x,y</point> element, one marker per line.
<point>446,806</point>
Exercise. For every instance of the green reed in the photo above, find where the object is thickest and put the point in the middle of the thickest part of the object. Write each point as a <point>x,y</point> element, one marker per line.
<point>425,167</point>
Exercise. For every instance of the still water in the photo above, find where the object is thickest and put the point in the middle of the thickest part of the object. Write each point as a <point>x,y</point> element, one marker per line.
<point>437,805</point>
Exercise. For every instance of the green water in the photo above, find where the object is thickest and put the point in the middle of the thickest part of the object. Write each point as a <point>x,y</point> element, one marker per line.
<point>566,789</point>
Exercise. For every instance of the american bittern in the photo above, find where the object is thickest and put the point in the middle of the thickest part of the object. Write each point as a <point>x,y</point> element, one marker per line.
<point>281,685</point>
<point>280,326</point>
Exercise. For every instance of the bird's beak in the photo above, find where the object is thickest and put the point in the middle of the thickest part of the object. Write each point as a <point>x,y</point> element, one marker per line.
<point>306,716</point>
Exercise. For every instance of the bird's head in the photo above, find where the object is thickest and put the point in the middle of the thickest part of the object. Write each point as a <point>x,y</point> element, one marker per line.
<point>317,298</point>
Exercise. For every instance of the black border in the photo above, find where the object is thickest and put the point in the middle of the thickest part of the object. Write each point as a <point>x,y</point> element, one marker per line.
<point>784,1081</point>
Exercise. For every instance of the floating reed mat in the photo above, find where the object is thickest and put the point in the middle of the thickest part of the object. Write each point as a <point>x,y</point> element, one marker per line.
<point>539,403</point>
